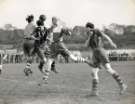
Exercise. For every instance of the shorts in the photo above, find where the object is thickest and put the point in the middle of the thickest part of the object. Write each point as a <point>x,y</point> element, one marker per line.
<point>31,49</point>
<point>39,50</point>
<point>100,57</point>
<point>28,46</point>
<point>57,48</point>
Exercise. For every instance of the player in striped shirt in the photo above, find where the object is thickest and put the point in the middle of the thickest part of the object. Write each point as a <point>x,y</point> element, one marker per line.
<point>95,43</point>
<point>56,46</point>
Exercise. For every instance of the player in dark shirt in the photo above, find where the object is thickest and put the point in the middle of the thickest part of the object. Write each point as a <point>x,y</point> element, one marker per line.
<point>39,37</point>
<point>95,42</point>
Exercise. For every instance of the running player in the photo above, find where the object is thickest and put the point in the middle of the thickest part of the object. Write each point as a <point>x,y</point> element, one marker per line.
<point>95,42</point>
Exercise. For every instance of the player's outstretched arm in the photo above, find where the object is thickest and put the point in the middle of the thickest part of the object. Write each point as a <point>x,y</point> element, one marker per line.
<point>87,42</point>
<point>109,40</point>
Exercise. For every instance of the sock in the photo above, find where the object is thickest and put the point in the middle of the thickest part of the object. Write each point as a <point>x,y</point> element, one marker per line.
<point>46,75</point>
<point>41,65</point>
<point>53,65</point>
<point>28,66</point>
<point>95,84</point>
<point>118,79</point>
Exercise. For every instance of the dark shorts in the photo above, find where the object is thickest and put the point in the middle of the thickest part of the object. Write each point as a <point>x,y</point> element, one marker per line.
<point>100,57</point>
<point>31,49</point>
<point>28,47</point>
<point>57,48</point>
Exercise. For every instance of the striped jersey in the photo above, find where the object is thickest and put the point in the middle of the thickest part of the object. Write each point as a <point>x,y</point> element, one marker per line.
<point>95,39</point>
<point>41,34</point>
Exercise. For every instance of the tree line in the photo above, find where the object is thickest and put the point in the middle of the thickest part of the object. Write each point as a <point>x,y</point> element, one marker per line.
<point>123,35</point>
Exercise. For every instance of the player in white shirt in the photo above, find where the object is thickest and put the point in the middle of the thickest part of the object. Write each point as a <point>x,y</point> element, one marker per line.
<point>28,42</point>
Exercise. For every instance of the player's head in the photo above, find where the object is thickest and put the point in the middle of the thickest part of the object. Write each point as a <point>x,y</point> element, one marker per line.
<point>42,17</point>
<point>54,20</point>
<point>40,23</point>
<point>30,18</point>
<point>90,25</point>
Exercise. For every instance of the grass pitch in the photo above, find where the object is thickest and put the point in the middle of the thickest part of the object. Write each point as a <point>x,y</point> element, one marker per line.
<point>72,85</point>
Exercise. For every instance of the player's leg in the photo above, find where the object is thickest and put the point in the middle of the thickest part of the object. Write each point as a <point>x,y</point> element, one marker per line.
<point>81,59</point>
<point>40,66</point>
<point>95,77</point>
<point>0,63</point>
<point>106,63</point>
<point>28,48</point>
<point>47,68</point>
<point>27,69</point>
<point>42,59</point>
<point>64,50</point>
<point>50,53</point>
<point>116,76</point>
<point>53,67</point>
<point>95,81</point>
<point>46,71</point>
<point>2,58</point>
<point>40,54</point>
<point>1,66</point>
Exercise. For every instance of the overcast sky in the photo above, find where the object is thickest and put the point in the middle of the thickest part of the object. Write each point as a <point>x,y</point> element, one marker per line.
<point>73,12</point>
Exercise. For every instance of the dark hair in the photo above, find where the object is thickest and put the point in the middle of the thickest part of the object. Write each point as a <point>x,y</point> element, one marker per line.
<point>30,18</point>
<point>42,17</point>
<point>54,18</point>
<point>40,23</point>
<point>90,25</point>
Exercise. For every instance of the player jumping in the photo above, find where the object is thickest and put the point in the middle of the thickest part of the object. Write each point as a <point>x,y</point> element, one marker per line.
<point>56,47</point>
<point>28,44</point>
